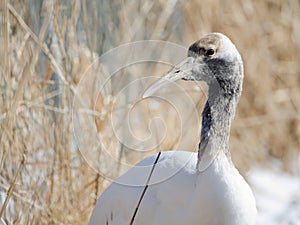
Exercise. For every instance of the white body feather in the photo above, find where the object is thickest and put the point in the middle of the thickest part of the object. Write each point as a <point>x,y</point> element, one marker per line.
<point>217,196</point>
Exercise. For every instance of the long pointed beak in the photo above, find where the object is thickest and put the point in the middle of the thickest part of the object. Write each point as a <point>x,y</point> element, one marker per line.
<point>183,70</point>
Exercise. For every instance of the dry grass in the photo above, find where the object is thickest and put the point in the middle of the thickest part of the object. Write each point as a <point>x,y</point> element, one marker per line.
<point>46,49</point>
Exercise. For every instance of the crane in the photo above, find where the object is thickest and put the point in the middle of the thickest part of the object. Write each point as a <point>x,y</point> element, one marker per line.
<point>206,188</point>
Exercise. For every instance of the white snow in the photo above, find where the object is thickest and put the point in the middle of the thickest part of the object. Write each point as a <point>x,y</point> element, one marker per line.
<point>277,195</point>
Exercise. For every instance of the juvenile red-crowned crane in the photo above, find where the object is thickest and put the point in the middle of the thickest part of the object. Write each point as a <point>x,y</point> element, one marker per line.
<point>207,189</point>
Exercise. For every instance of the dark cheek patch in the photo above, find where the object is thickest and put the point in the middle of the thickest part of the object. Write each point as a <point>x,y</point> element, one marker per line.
<point>195,50</point>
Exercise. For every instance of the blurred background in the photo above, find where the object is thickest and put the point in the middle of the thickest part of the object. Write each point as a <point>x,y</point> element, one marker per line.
<point>48,175</point>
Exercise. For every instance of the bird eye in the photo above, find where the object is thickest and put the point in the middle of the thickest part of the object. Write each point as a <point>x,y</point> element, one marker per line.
<point>210,52</point>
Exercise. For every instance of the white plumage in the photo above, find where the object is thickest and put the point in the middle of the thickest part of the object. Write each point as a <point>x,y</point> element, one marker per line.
<point>203,188</point>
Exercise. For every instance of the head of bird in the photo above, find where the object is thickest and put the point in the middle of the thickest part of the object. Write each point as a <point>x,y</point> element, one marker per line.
<point>213,59</point>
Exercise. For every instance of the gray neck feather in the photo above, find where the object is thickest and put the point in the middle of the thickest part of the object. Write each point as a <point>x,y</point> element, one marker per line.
<point>217,116</point>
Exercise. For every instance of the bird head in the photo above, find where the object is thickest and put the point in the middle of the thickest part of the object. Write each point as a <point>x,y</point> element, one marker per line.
<point>213,59</point>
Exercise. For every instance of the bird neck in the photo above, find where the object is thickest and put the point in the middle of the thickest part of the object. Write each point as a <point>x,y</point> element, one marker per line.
<point>217,116</point>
